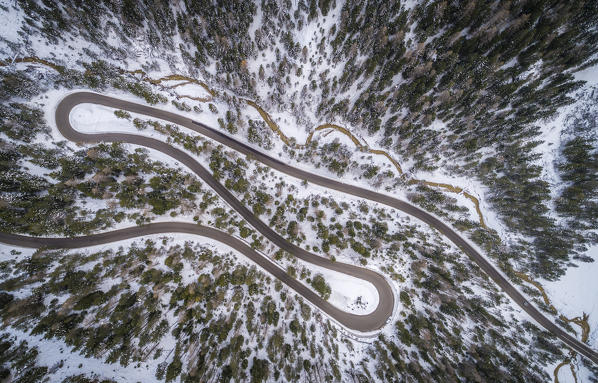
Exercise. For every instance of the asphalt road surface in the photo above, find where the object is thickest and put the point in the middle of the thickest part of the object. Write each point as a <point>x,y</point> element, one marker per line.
<point>358,322</point>
<point>363,323</point>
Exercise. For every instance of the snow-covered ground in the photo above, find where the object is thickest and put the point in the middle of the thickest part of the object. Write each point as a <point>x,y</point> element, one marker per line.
<point>576,293</point>
<point>96,118</point>
<point>568,294</point>
<point>192,90</point>
<point>572,295</point>
<point>54,352</point>
<point>348,293</point>
<point>91,118</point>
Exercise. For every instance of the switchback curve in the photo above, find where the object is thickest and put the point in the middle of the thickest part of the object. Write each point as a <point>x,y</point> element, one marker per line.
<point>361,323</point>
<point>368,322</point>
<point>353,321</point>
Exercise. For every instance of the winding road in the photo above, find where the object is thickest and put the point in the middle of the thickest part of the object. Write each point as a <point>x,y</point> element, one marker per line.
<point>362,323</point>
